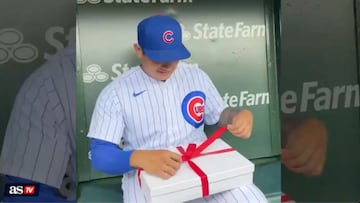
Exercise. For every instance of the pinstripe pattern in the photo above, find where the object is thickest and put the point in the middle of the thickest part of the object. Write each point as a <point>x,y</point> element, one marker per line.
<point>39,143</point>
<point>154,119</point>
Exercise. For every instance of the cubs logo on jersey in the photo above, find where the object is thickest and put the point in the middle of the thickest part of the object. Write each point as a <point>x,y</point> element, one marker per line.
<point>193,107</point>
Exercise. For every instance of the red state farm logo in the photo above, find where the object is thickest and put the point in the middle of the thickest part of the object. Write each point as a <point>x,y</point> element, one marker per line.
<point>193,108</point>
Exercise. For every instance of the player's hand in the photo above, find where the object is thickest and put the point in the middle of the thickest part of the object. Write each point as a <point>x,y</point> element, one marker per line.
<point>242,124</point>
<point>305,150</point>
<point>161,163</point>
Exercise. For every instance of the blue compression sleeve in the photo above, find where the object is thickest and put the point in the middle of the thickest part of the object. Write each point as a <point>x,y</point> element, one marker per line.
<point>107,157</point>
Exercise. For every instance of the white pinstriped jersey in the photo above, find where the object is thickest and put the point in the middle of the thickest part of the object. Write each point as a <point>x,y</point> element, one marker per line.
<point>152,114</point>
<point>153,119</point>
<point>39,143</point>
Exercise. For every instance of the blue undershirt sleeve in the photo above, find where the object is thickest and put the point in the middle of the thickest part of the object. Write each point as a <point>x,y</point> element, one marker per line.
<point>107,157</point>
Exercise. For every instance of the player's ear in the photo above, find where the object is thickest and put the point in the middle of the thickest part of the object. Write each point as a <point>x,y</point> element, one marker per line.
<point>138,51</point>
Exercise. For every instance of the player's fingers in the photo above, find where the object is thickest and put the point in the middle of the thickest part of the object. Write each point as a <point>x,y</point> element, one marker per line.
<point>240,123</point>
<point>286,154</point>
<point>316,171</point>
<point>173,164</point>
<point>301,169</point>
<point>247,132</point>
<point>241,129</point>
<point>297,142</point>
<point>302,156</point>
<point>231,127</point>
<point>169,170</point>
<point>290,153</point>
<point>164,175</point>
<point>240,132</point>
<point>174,156</point>
<point>290,167</point>
<point>285,164</point>
<point>299,163</point>
<point>286,157</point>
<point>315,164</point>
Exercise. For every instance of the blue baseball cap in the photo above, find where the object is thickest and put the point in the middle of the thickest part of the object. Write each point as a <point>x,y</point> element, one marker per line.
<point>160,39</point>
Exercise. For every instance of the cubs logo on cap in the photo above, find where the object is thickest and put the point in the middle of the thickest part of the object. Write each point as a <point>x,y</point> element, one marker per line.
<point>167,36</point>
<point>160,39</point>
<point>193,108</point>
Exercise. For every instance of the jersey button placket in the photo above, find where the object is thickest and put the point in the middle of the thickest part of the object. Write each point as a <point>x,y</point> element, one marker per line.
<point>167,110</point>
<point>165,102</point>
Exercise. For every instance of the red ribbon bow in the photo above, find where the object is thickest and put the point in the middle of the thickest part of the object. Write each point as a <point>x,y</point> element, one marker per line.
<point>192,152</point>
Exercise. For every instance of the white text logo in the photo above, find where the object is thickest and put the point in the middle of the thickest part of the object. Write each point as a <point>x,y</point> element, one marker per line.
<point>223,31</point>
<point>51,38</point>
<point>320,98</point>
<point>311,97</point>
<point>245,98</point>
<point>12,44</point>
<point>94,73</point>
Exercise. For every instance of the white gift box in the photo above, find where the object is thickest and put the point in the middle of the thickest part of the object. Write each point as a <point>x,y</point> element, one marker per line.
<point>225,171</point>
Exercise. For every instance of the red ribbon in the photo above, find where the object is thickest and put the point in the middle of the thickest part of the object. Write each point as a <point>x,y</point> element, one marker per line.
<point>192,152</point>
<point>285,198</point>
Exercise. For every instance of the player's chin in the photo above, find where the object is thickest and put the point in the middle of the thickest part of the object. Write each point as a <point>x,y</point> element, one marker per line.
<point>163,75</point>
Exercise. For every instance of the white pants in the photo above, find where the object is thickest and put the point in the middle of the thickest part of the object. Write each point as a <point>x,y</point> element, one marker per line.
<point>132,193</point>
<point>244,194</point>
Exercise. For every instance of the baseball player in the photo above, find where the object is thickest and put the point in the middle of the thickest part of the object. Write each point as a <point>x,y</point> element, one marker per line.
<point>159,104</point>
<point>39,144</point>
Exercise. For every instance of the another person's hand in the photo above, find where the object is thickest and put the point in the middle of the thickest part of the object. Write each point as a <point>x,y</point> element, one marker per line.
<point>305,148</point>
<point>242,124</point>
<point>161,163</point>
